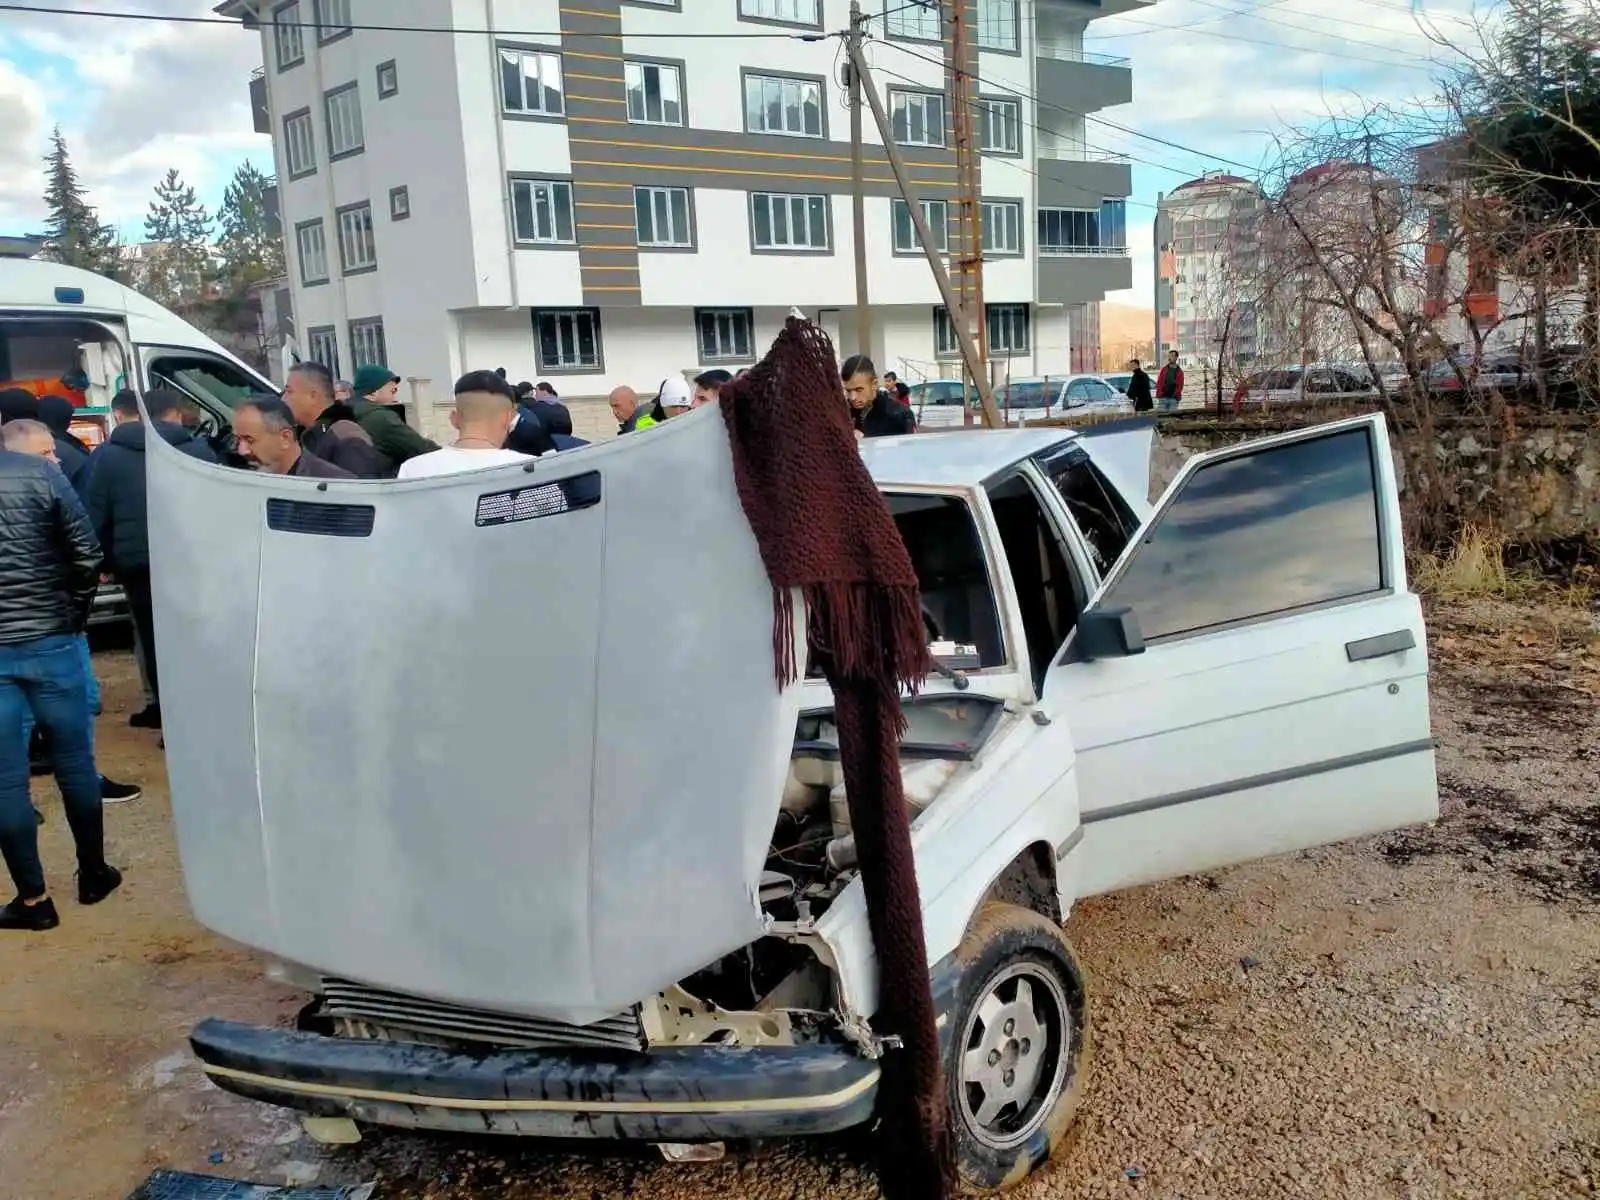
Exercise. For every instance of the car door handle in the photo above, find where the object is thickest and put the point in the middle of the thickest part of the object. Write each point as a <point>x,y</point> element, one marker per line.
<point>1376,647</point>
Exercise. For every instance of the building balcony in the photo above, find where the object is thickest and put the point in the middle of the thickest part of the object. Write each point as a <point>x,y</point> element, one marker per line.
<point>260,109</point>
<point>1083,276</point>
<point>1067,179</point>
<point>1073,79</point>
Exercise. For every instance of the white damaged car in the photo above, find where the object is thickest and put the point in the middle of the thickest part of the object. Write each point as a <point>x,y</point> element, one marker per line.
<point>494,765</point>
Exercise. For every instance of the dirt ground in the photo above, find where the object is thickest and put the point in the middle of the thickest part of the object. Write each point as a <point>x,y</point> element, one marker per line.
<point>1412,1016</point>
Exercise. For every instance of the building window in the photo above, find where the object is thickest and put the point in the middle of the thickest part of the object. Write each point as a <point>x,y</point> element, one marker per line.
<point>1000,126</point>
<point>662,217</point>
<point>388,79</point>
<point>1008,328</point>
<point>905,233</point>
<point>997,25</point>
<point>357,250</point>
<point>541,211</point>
<point>945,342</point>
<point>1002,227</point>
<point>922,23</point>
<point>917,118</point>
<point>299,144</point>
<point>345,136</point>
<point>726,334</point>
<point>332,17</point>
<point>287,37</point>
<point>779,104</point>
<point>655,93</point>
<point>780,222</point>
<point>399,203</point>
<point>322,345</point>
<point>312,243</point>
<point>366,342</point>
<point>1084,231</point>
<point>569,339</point>
<point>530,82</point>
<point>789,12</point>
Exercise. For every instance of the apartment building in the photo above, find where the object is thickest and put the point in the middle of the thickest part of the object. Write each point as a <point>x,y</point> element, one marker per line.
<point>601,192</point>
<point>1205,269</point>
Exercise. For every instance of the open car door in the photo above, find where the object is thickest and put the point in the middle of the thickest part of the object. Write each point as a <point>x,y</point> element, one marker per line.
<point>1251,677</point>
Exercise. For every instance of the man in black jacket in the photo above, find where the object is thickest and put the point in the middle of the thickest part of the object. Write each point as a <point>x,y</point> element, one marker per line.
<point>49,569</point>
<point>328,429</point>
<point>71,454</point>
<point>115,497</point>
<point>874,412</point>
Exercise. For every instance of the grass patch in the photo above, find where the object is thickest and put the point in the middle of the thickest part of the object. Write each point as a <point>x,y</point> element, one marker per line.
<point>1474,567</point>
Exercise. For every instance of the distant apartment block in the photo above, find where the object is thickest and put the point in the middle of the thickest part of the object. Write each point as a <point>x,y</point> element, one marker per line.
<point>598,193</point>
<point>1204,279</point>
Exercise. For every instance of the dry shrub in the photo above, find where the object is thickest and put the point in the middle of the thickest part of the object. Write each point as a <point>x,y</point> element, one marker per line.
<point>1474,566</point>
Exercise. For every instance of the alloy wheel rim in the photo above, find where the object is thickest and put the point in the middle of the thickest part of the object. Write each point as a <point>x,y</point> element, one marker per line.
<point>1016,1049</point>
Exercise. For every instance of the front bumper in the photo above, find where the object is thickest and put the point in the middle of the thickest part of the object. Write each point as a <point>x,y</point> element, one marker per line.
<point>687,1094</point>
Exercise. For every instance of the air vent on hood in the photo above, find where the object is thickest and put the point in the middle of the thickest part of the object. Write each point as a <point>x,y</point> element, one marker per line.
<point>328,520</point>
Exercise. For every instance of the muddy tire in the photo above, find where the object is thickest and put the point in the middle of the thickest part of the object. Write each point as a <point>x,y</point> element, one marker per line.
<point>1017,1062</point>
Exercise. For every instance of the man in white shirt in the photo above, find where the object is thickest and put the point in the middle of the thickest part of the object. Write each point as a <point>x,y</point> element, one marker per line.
<point>485,406</point>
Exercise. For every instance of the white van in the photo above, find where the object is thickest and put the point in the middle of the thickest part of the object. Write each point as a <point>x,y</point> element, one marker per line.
<point>83,336</point>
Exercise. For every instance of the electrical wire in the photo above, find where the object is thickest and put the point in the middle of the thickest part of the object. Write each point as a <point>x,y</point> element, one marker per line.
<point>1279,45</point>
<point>175,19</point>
<point>1340,19</point>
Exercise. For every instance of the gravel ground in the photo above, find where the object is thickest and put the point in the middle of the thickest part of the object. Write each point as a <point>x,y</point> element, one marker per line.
<point>1412,1016</point>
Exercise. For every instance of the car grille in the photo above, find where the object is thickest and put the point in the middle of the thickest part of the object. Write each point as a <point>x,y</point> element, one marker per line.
<point>368,1012</point>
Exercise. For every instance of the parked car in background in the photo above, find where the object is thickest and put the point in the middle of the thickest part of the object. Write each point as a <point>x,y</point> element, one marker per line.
<point>1122,380</point>
<point>1299,385</point>
<point>1094,393</point>
<point>937,403</point>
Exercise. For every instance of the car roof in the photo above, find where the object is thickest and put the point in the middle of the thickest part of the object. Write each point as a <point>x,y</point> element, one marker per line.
<point>956,457</point>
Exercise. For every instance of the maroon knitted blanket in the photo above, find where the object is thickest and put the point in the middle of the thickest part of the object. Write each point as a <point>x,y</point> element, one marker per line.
<point>823,528</point>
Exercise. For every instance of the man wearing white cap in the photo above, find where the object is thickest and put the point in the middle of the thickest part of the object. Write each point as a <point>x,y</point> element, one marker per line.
<point>676,397</point>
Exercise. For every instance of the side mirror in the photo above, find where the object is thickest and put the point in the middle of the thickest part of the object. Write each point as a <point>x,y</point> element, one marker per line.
<point>1109,633</point>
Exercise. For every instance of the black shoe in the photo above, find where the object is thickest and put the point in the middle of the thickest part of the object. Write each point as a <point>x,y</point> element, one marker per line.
<point>35,918</point>
<point>112,792</point>
<point>94,886</point>
<point>148,717</point>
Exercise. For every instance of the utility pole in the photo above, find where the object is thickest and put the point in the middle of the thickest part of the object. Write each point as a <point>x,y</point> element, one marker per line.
<point>969,207</point>
<point>960,319</point>
<point>1155,282</point>
<point>858,189</point>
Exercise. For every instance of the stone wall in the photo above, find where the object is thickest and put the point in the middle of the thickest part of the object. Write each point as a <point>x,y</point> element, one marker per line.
<point>1534,476</point>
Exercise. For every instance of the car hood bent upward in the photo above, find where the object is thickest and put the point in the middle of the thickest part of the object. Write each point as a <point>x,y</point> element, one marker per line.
<point>508,739</point>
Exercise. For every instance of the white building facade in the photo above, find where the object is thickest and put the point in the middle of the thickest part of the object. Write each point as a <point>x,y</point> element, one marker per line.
<point>607,192</point>
<point>1206,268</point>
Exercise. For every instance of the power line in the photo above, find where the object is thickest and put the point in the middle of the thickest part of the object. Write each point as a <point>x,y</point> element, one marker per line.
<point>1072,112</point>
<point>1237,37</point>
<point>1340,19</point>
<point>175,19</point>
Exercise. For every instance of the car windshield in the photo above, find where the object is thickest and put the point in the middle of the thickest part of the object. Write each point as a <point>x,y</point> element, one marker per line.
<point>1021,395</point>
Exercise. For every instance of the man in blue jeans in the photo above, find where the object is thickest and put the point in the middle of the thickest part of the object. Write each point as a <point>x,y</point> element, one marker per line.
<point>49,570</point>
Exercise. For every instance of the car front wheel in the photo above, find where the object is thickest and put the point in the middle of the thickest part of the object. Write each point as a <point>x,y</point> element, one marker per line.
<point>1018,1062</point>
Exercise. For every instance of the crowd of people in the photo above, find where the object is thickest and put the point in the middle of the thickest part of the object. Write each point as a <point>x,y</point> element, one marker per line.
<point>70,517</point>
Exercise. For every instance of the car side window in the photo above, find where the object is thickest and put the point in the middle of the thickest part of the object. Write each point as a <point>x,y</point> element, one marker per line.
<point>1076,392</point>
<point>1096,390</point>
<point>1102,515</point>
<point>1263,532</point>
<point>1048,595</point>
<point>212,386</point>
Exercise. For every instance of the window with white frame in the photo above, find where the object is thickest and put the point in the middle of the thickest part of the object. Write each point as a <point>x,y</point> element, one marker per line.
<point>366,341</point>
<point>345,136</point>
<point>784,222</point>
<point>1008,328</point>
<point>568,339</point>
<point>388,79</point>
<point>541,211</point>
<point>399,203</point>
<point>726,334</point>
<point>299,144</point>
<point>312,243</point>
<point>997,25</point>
<point>791,12</point>
<point>357,249</point>
<point>332,17</point>
<point>780,104</point>
<point>935,212</point>
<point>530,82</point>
<point>662,217</point>
<point>322,345</point>
<point>907,20</point>
<point>917,118</point>
<point>1002,227</point>
<point>288,38</point>
<point>655,93</point>
<point>945,342</point>
<point>1000,126</point>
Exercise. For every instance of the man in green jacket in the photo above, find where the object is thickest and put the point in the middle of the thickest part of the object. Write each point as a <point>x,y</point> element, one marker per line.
<point>373,407</point>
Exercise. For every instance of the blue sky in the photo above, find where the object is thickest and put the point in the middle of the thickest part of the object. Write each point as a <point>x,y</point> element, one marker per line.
<point>1219,76</point>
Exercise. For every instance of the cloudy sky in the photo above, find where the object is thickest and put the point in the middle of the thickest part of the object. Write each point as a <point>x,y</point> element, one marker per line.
<point>1217,77</point>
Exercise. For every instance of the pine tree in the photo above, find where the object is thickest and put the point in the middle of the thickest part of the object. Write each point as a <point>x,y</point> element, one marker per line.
<point>251,249</point>
<point>180,270</point>
<point>74,233</point>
